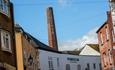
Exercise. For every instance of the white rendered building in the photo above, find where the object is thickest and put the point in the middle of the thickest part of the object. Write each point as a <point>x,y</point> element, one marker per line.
<point>51,60</point>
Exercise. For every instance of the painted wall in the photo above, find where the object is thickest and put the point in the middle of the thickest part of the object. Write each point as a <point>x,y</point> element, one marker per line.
<point>19,51</point>
<point>27,54</point>
<point>60,61</point>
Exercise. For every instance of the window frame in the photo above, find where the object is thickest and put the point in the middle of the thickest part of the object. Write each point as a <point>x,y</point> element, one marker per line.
<point>4,7</point>
<point>50,63</point>
<point>78,67</point>
<point>101,38</point>
<point>6,37</point>
<point>94,65</point>
<point>107,33</point>
<point>68,67</point>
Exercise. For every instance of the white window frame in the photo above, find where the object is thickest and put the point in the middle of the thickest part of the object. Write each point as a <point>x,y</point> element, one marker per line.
<point>113,47</point>
<point>50,62</point>
<point>110,55</point>
<point>113,37</point>
<point>107,33</point>
<point>101,38</point>
<point>113,20</point>
<point>6,41</point>
<point>4,8</point>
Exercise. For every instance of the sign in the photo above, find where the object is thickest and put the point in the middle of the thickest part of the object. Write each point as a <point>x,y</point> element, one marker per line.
<point>73,60</point>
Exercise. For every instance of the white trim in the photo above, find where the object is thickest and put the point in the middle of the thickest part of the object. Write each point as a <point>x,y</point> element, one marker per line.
<point>107,33</point>
<point>6,41</point>
<point>4,8</point>
<point>101,37</point>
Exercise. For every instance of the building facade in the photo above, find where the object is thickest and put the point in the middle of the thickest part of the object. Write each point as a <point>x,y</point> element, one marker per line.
<point>7,37</point>
<point>27,53</point>
<point>50,60</point>
<point>106,43</point>
<point>35,55</point>
<point>112,10</point>
<point>90,49</point>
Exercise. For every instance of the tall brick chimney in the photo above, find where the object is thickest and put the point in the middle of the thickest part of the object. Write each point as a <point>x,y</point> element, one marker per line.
<point>52,38</point>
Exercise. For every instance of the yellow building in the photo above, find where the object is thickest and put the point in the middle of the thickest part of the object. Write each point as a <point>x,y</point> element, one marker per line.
<point>26,49</point>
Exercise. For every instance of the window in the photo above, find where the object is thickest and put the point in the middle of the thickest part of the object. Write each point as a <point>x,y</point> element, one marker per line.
<point>112,4</point>
<point>25,56</point>
<point>107,34</point>
<point>100,66</point>
<point>94,66</point>
<point>5,41</point>
<point>113,20</point>
<point>114,27</point>
<point>67,66</point>
<point>113,36</point>
<point>30,61</point>
<point>78,67</point>
<point>110,55</point>
<point>4,7</point>
<point>58,62</point>
<point>88,66</point>
<point>101,38</point>
<point>50,62</point>
<point>105,58</point>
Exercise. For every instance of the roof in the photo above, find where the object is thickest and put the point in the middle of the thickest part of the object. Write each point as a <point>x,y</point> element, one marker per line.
<point>42,45</point>
<point>107,21</point>
<point>101,27</point>
<point>71,52</point>
<point>39,44</point>
<point>112,0</point>
<point>94,46</point>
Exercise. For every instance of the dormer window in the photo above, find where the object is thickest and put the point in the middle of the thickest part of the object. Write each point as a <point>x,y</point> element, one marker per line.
<point>4,7</point>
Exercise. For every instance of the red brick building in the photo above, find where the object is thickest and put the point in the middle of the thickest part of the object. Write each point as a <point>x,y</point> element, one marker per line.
<point>107,44</point>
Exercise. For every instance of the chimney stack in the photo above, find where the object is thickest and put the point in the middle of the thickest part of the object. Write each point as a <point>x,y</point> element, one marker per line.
<point>52,38</point>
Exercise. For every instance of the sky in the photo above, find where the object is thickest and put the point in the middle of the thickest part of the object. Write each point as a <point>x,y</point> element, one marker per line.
<point>76,20</point>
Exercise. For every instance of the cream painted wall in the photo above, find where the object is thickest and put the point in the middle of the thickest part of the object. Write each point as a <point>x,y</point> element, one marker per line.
<point>19,52</point>
<point>89,51</point>
<point>63,60</point>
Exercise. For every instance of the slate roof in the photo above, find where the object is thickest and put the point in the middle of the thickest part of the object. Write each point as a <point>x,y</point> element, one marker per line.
<point>43,46</point>
<point>71,52</point>
<point>39,44</point>
<point>101,27</point>
<point>94,46</point>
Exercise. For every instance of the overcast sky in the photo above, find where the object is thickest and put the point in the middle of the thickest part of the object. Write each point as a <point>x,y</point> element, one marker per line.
<point>76,20</point>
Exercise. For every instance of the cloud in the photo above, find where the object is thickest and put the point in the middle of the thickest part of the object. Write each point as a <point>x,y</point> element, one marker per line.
<point>64,3</point>
<point>90,37</point>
